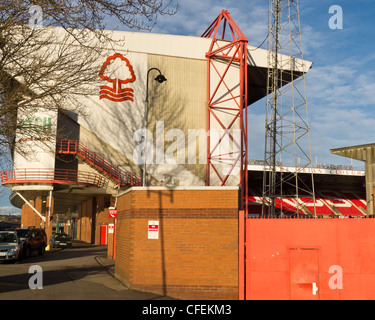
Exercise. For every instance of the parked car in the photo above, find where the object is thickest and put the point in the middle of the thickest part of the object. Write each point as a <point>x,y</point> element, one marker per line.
<point>10,246</point>
<point>60,240</point>
<point>34,239</point>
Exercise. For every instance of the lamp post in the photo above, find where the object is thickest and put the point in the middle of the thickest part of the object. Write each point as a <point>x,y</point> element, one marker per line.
<point>159,78</point>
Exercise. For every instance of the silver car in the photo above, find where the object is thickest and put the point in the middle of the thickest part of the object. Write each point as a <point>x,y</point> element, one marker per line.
<point>10,246</point>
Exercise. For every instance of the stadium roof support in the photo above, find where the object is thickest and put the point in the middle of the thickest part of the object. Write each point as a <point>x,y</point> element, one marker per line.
<point>366,153</point>
<point>226,104</point>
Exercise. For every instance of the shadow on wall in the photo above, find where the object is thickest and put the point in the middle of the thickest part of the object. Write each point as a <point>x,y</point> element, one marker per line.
<point>161,233</point>
<point>169,103</point>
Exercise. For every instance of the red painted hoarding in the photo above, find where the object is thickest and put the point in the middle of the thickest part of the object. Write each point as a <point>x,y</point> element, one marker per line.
<point>308,259</point>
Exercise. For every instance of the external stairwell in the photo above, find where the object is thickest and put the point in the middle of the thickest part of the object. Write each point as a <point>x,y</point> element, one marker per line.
<point>122,177</point>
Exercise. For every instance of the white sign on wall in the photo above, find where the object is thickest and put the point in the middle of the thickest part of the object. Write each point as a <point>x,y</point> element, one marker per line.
<point>111,228</point>
<point>153,229</point>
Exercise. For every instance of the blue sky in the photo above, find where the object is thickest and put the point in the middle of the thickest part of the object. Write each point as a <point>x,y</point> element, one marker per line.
<point>340,85</point>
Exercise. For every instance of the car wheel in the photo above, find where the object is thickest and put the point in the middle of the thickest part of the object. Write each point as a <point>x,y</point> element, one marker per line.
<point>26,252</point>
<point>20,257</point>
<point>41,250</point>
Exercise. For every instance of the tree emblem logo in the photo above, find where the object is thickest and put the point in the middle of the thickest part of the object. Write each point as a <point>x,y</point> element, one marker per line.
<point>118,71</point>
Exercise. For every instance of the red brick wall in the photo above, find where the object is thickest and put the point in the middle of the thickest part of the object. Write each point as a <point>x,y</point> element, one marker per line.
<point>85,221</point>
<point>196,255</point>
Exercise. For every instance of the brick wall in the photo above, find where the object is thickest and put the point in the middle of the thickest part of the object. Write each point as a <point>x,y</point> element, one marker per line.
<point>29,217</point>
<point>196,255</point>
<point>84,231</point>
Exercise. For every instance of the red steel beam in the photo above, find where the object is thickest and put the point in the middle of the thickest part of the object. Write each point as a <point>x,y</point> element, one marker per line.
<point>232,50</point>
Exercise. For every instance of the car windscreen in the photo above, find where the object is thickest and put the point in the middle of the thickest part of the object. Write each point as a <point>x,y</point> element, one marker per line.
<point>8,238</point>
<point>62,237</point>
<point>23,233</point>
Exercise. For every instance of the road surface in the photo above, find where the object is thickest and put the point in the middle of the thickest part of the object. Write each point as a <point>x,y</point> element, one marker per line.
<point>73,274</point>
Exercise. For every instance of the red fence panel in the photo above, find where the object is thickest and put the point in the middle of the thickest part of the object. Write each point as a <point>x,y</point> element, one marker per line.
<point>295,258</point>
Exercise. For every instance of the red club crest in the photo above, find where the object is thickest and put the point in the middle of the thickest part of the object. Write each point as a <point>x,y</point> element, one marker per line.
<point>118,71</point>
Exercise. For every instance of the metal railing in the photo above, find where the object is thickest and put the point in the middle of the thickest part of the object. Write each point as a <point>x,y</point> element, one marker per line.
<point>60,176</point>
<point>122,177</point>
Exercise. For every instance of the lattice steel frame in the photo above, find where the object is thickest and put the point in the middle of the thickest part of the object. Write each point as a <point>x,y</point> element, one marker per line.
<point>229,47</point>
<point>287,128</point>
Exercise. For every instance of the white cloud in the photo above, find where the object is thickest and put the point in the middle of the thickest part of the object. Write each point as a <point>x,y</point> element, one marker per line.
<point>195,16</point>
<point>9,210</point>
<point>342,85</point>
<point>341,103</point>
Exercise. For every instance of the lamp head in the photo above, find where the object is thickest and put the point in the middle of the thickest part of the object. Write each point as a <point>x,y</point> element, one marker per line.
<point>160,78</point>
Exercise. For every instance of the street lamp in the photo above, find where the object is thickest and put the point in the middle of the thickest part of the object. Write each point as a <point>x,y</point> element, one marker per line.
<point>160,79</point>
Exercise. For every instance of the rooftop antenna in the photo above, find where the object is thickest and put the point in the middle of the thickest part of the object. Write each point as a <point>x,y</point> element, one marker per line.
<point>287,131</point>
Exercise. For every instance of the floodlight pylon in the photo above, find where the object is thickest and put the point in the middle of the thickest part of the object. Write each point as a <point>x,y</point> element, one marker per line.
<point>287,134</point>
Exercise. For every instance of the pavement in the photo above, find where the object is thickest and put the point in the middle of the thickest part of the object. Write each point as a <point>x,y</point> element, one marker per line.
<point>108,264</point>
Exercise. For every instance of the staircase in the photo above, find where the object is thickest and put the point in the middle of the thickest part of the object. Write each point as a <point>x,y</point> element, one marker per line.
<point>97,161</point>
